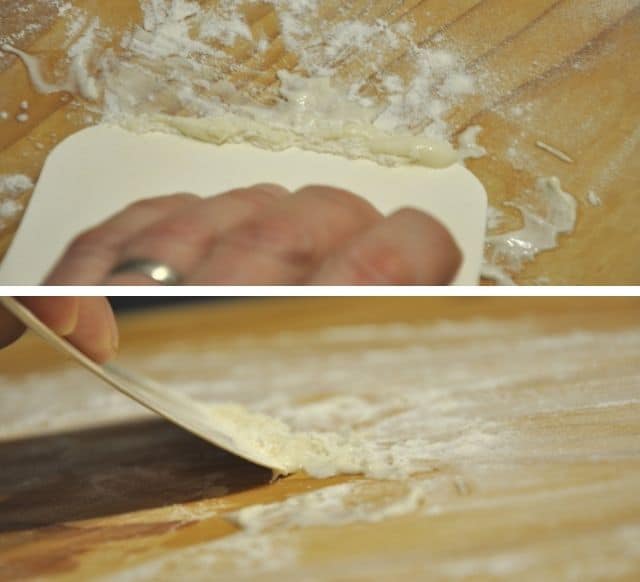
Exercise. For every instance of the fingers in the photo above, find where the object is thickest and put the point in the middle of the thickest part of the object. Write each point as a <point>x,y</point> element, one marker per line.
<point>284,243</point>
<point>183,239</point>
<point>87,322</point>
<point>92,255</point>
<point>58,313</point>
<point>96,332</point>
<point>408,248</point>
<point>264,235</point>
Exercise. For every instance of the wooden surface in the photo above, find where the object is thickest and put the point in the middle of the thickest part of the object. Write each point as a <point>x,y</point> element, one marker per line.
<point>572,64</point>
<point>96,499</point>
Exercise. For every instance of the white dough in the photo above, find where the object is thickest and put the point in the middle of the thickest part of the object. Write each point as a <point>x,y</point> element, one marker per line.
<point>352,139</point>
<point>264,437</point>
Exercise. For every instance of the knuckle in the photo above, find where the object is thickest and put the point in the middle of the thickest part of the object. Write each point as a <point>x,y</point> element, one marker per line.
<point>91,244</point>
<point>381,264</point>
<point>145,204</point>
<point>439,237</point>
<point>255,197</point>
<point>344,199</point>
<point>102,238</point>
<point>274,235</point>
<point>170,231</point>
<point>421,221</point>
<point>85,241</point>
<point>276,190</point>
<point>168,240</point>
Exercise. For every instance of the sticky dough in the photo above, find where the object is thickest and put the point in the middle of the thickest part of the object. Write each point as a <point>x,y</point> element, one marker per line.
<point>313,115</point>
<point>260,437</point>
<point>352,139</point>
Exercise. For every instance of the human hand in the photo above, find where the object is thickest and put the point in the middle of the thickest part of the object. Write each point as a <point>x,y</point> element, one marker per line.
<point>87,322</point>
<point>264,235</point>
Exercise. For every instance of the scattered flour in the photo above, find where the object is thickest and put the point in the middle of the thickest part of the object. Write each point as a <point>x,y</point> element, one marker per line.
<point>226,30</point>
<point>325,507</point>
<point>79,53</point>
<point>334,384</point>
<point>15,184</point>
<point>11,186</point>
<point>9,208</point>
<point>28,27</point>
<point>175,62</point>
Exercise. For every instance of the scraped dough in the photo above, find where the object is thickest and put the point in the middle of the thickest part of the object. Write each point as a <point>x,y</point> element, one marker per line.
<point>354,139</point>
<point>272,443</point>
<point>314,115</point>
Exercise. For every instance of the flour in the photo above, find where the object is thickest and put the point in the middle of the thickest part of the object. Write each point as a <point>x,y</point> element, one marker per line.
<point>79,53</point>
<point>227,31</point>
<point>325,507</point>
<point>22,16</point>
<point>11,187</point>
<point>167,32</point>
<point>335,382</point>
<point>172,62</point>
<point>312,112</point>
<point>9,208</point>
<point>438,73</point>
<point>14,184</point>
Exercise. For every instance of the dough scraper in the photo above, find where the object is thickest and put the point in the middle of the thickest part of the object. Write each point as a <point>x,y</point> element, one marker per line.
<point>98,171</point>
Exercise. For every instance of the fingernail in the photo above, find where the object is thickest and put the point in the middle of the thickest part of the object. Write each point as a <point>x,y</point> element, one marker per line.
<point>69,325</point>
<point>113,329</point>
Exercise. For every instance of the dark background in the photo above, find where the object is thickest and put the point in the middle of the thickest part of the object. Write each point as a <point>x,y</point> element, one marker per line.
<point>121,304</point>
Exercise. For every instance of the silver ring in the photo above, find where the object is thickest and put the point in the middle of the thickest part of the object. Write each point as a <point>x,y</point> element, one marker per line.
<point>159,272</point>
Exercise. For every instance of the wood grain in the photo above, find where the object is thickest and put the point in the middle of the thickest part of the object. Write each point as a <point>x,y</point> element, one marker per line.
<point>572,64</point>
<point>88,502</point>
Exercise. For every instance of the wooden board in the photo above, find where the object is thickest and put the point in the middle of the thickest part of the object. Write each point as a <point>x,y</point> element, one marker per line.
<point>573,61</point>
<point>87,501</point>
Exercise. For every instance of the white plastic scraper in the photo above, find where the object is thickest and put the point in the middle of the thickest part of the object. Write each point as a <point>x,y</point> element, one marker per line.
<point>97,171</point>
